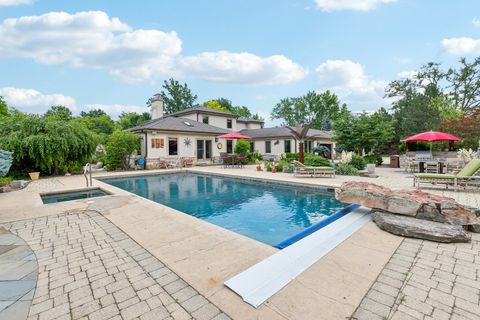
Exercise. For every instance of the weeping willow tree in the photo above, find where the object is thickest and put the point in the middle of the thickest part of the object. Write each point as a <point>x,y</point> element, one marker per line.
<point>44,143</point>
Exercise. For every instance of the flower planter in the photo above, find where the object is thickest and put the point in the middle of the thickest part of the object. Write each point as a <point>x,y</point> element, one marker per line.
<point>371,168</point>
<point>34,175</point>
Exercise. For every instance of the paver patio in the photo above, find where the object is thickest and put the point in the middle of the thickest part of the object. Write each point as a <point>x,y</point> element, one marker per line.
<point>205,255</point>
<point>427,280</point>
<point>90,269</point>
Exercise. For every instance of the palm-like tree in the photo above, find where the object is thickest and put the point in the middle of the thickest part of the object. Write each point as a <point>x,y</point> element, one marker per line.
<point>300,132</point>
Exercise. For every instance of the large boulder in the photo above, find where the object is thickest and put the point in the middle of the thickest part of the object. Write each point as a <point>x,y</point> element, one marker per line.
<point>6,159</point>
<point>413,203</point>
<point>421,229</point>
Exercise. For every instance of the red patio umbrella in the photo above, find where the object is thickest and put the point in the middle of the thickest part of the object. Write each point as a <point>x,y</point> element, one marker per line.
<point>233,135</point>
<point>432,136</point>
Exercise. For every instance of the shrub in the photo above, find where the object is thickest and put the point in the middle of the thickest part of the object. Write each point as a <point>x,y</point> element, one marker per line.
<point>253,157</point>
<point>242,147</point>
<point>267,165</point>
<point>374,158</point>
<point>316,161</point>
<point>5,180</point>
<point>322,151</point>
<point>289,157</point>
<point>346,170</point>
<point>279,166</point>
<point>358,162</point>
<point>119,148</point>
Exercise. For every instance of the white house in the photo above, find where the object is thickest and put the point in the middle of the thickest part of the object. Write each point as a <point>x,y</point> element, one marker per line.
<point>192,133</point>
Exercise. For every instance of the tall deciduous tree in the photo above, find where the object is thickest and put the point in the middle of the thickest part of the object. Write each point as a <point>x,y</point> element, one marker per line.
<point>317,110</point>
<point>128,120</point>
<point>364,131</point>
<point>176,97</point>
<point>61,113</point>
<point>119,148</point>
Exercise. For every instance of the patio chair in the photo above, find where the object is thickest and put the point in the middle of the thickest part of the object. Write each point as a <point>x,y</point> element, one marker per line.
<point>305,171</point>
<point>466,177</point>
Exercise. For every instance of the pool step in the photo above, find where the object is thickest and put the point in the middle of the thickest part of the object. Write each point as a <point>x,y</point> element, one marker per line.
<point>261,281</point>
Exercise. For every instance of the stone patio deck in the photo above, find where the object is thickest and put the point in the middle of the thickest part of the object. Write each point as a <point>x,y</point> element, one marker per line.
<point>88,268</point>
<point>204,255</point>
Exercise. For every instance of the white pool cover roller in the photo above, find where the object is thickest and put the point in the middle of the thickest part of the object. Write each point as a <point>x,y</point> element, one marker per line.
<point>261,281</point>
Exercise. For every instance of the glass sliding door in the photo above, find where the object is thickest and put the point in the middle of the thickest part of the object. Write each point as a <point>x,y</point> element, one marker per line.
<point>204,149</point>
<point>200,149</point>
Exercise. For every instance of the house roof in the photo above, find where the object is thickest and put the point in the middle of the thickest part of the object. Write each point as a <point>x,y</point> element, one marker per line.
<point>202,109</point>
<point>245,119</point>
<point>178,124</point>
<point>282,132</point>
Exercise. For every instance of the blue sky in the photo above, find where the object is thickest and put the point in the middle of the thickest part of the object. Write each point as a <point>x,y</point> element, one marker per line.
<point>116,54</point>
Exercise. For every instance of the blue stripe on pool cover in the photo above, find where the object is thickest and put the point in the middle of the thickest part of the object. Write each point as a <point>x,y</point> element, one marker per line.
<point>302,234</point>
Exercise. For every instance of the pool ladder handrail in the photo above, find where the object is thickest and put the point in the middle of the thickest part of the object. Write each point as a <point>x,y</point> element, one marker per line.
<point>88,169</point>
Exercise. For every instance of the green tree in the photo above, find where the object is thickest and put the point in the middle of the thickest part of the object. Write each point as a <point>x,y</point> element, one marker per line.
<point>128,120</point>
<point>242,147</point>
<point>364,131</point>
<point>120,146</point>
<point>176,97</point>
<point>242,111</point>
<point>93,113</point>
<point>101,125</point>
<point>317,110</point>
<point>61,113</point>
<point>44,143</point>
<point>464,84</point>
<point>3,107</point>
<point>213,104</point>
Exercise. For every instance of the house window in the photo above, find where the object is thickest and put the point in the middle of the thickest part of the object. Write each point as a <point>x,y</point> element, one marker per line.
<point>252,146</point>
<point>268,146</point>
<point>158,143</point>
<point>172,146</point>
<point>288,146</point>
<point>229,146</point>
<point>229,123</point>
<point>205,119</point>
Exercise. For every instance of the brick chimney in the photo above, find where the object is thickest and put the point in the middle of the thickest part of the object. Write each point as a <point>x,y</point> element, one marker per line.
<point>156,105</point>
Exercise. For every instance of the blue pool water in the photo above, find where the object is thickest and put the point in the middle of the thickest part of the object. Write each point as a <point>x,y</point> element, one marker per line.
<point>69,196</point>
<point>267,212</point>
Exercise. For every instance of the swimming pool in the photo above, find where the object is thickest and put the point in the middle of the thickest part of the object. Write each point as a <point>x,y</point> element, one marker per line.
<point>266,211</point>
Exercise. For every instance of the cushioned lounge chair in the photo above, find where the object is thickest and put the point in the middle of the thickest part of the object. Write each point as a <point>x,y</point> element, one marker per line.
<point>466,177</point>
<point>304,171</point>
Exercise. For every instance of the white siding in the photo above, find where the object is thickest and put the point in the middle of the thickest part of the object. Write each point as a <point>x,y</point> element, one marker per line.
<point>184,151</point>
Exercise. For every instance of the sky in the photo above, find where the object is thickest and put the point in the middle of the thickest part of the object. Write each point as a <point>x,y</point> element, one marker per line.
<point>114,55</point>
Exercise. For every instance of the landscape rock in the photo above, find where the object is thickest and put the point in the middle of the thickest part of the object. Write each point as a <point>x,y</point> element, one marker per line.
<point>421,229</point>
<point>413,203</point>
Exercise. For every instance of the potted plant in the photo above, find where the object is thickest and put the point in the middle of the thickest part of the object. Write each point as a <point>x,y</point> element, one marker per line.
<point>274,168</point>
<point>34,175</point>
<point>259,166</point>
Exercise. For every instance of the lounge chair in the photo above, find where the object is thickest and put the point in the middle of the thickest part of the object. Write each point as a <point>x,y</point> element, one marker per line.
<point>466,177</point>
<point>304,171</point>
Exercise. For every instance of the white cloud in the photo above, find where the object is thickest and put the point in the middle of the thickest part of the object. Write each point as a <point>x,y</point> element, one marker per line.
<point>357,5</point>
<point>461,46</point>
<point>407,74</point>
<point>5,3</point>
<point>30,100</point>
<point>33,101</point>
<point>476,22</point>
<point>224,66</point>
<point>349,81</point>
<point>95,40</point>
